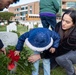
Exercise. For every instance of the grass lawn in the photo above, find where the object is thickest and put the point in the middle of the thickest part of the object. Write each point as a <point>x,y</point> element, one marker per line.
<point>58,71</point>
<point>2,28</point>
<point>21,29</point>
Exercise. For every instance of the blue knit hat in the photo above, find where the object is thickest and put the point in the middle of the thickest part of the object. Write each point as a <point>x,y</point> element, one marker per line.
<point>39,39</point>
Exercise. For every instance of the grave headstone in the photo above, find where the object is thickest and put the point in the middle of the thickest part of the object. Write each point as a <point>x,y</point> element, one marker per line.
<point>40,25</point>
<point>9,38</point>
<point>12,27</point>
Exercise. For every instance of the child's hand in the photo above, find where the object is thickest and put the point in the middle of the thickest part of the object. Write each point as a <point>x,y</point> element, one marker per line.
<point>17,53</point>
<point>3,50</point>
<point>52,50</point>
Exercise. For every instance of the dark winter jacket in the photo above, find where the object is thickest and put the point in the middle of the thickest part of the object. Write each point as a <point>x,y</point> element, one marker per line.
<point>1,44</point>
<point>66,44</point>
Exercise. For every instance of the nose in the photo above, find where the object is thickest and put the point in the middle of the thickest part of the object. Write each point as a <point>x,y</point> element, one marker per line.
<point>63,22</point>
<point>7,5</point>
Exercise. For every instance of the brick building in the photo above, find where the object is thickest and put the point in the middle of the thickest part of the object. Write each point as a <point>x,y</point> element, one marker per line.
<point>30,11</point>
<point>26,12</point>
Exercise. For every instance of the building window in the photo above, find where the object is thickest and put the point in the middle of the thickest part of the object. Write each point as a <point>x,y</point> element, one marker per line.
<point>17,9</point>
<point>23,18</point>
<point>30,7</point>
<point>22,8</point>
<point>26,7</point>
<point>30,11</point>
<point>22,13</point>
<point>17,14</point>
<point>71,4</point>
<point>26,12</point>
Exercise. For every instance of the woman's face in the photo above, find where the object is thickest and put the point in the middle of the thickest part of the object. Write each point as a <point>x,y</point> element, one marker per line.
<point>67,22</point>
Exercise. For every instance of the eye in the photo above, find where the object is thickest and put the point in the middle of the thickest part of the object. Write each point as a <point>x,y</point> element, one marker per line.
<point>68,22</point>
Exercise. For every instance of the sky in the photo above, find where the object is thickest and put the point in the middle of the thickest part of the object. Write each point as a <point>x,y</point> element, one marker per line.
<point>20,3</point>
<point>23,2</point>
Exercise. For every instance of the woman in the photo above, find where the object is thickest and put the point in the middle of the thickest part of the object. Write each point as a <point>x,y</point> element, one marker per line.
<point>67,32</point>
<point>65,53</point>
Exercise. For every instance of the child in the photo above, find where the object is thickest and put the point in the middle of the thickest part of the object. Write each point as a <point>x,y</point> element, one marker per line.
<point>48,11</point>
<point>39,39</point>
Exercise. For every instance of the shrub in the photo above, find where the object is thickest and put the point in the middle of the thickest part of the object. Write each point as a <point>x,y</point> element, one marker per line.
<point>23,66</point>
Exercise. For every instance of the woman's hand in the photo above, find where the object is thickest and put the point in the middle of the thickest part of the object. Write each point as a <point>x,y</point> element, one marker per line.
<point>17,53</point>
<point>34,58</point>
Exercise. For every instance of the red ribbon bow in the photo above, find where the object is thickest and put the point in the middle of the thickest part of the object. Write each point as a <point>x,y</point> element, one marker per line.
<point>13,58</point>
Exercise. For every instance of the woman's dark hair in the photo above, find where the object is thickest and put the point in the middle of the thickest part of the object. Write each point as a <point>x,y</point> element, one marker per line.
<point>72,14</point>
<point>15,1</point>
<point>65,33</point>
